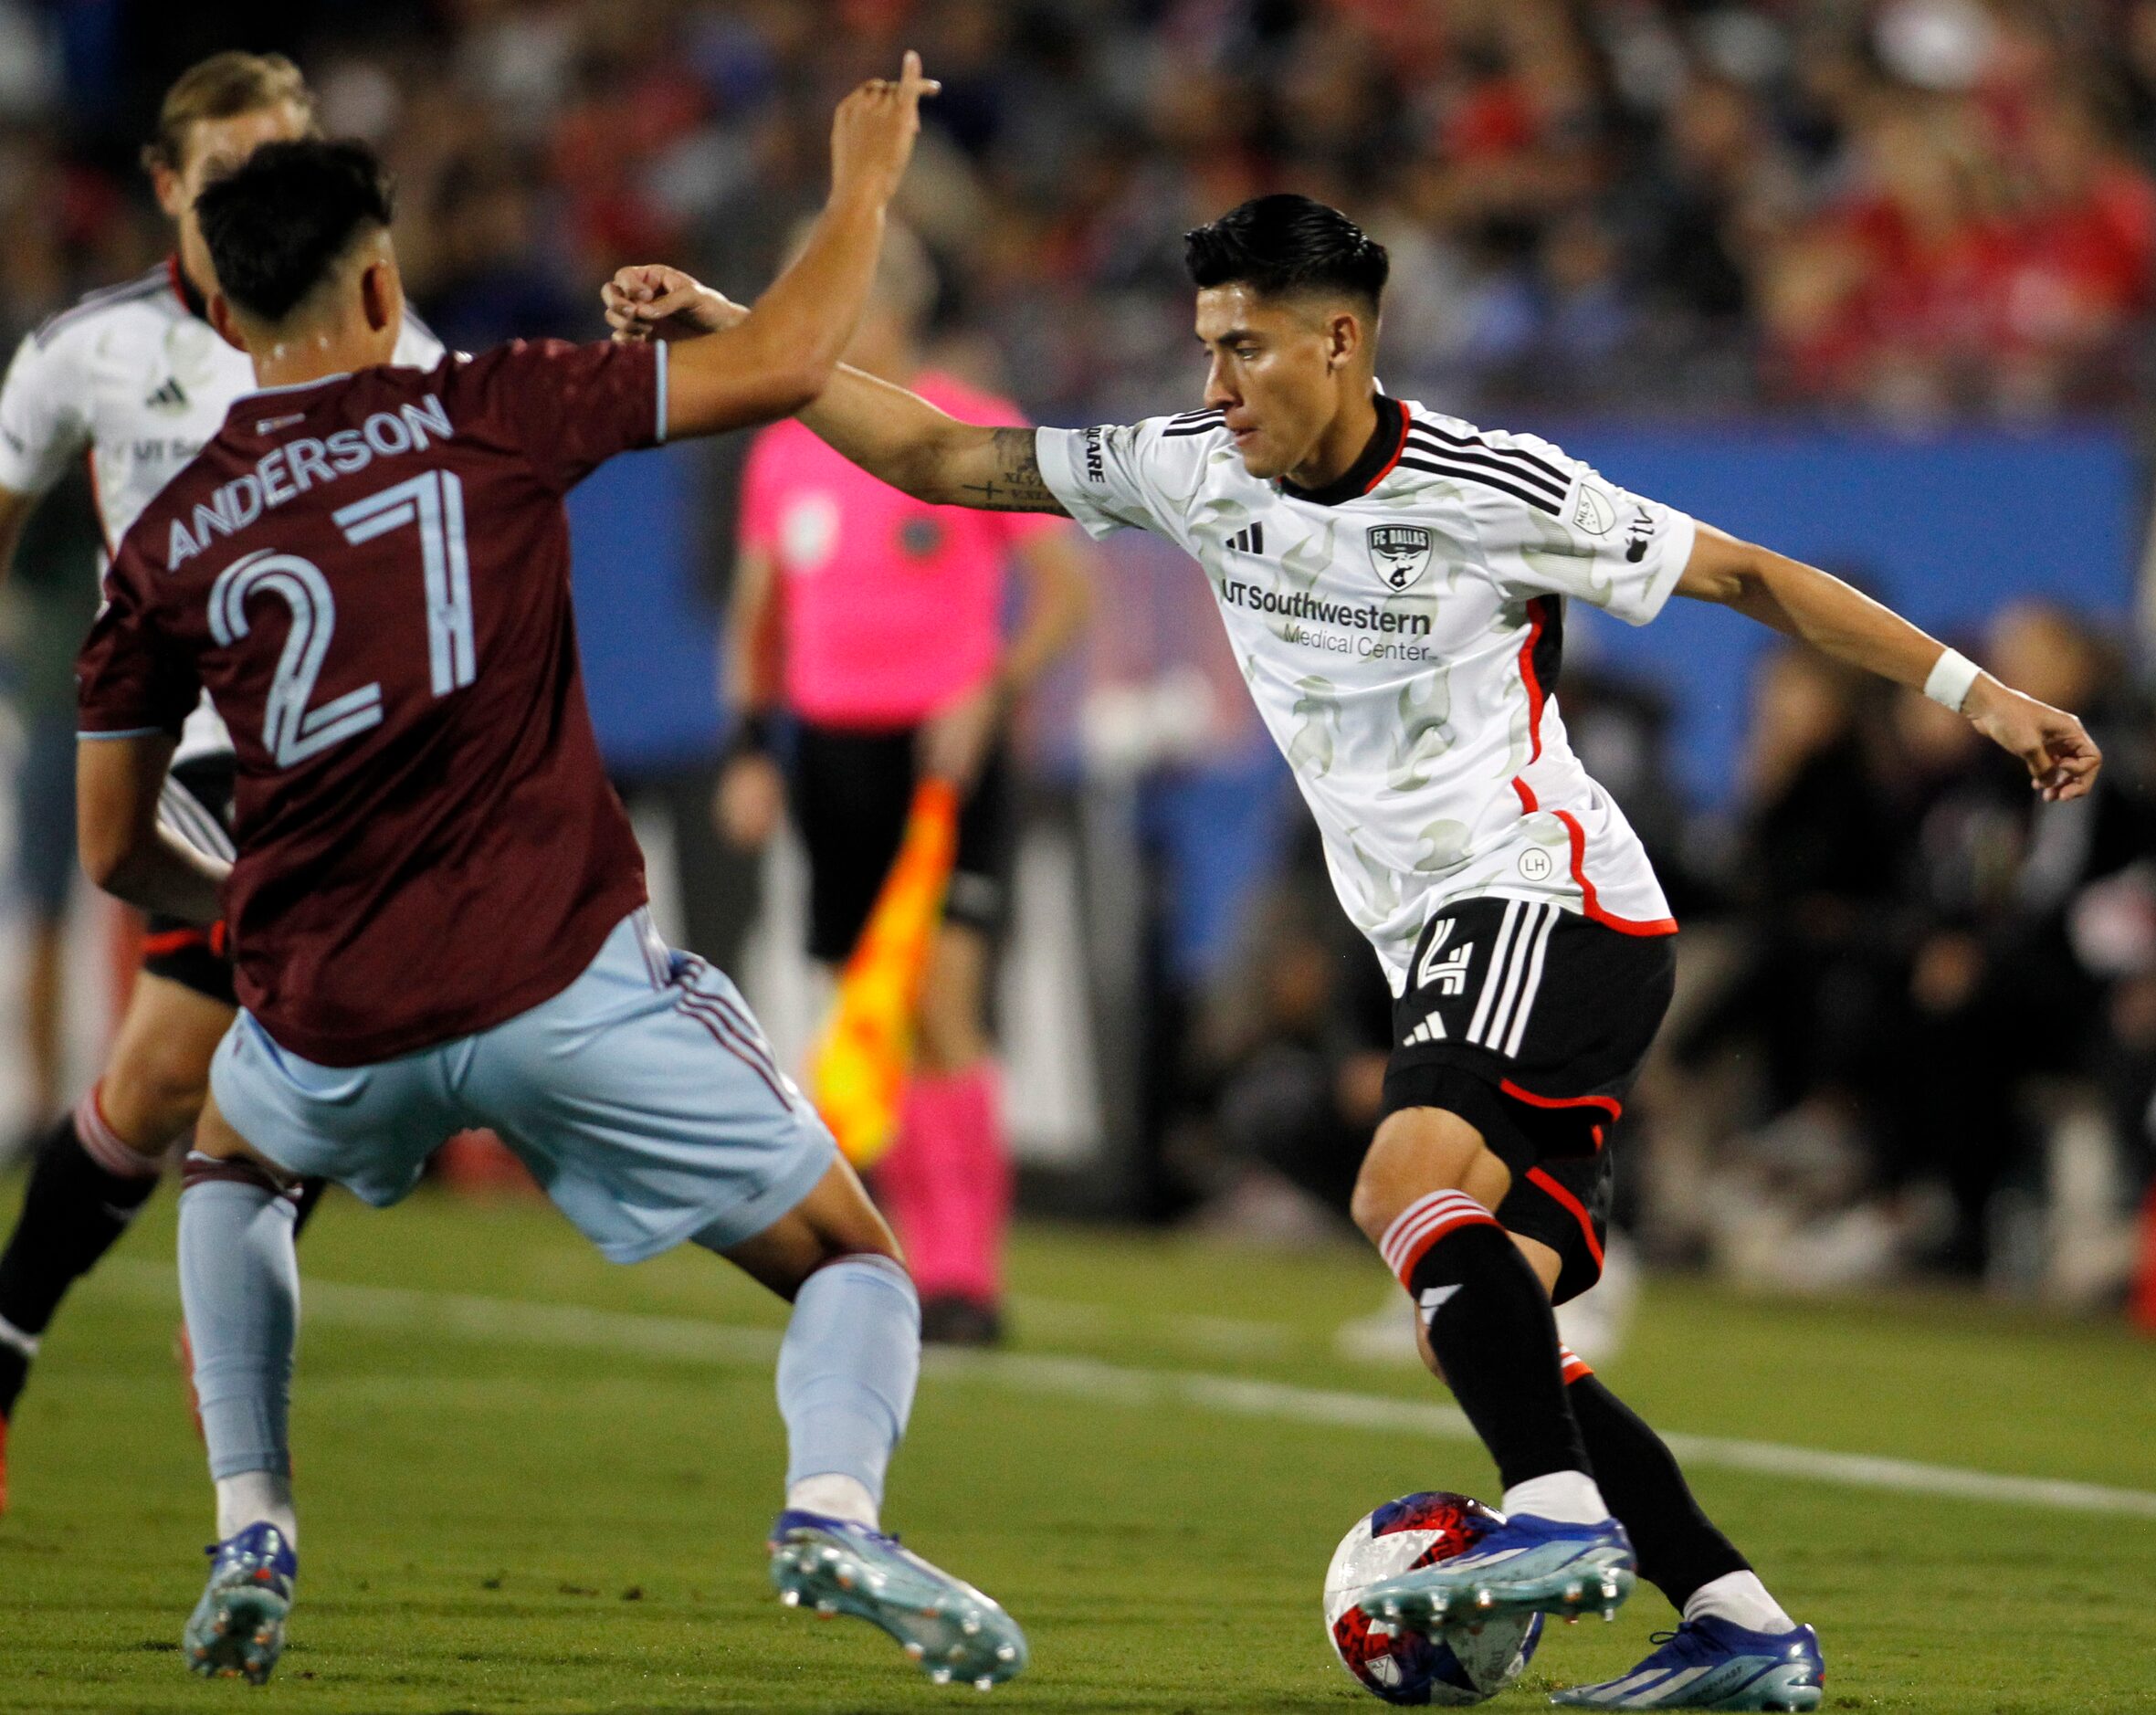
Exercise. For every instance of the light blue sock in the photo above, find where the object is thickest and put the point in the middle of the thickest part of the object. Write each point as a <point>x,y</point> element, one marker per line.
<point>240,1284</point>
<point>847,1371</point>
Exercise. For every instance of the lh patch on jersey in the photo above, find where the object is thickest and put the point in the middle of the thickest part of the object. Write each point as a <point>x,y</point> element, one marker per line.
<point>1401,554</point>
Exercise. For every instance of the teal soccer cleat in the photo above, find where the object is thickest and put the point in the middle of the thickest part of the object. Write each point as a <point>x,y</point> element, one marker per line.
<point>1714,1663</point>
<point>832,1566</point>
<point>238,1629</point>
<point>1526,1565</point>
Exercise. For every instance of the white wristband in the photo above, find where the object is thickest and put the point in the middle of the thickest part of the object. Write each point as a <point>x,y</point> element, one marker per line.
<point>1952,676</point>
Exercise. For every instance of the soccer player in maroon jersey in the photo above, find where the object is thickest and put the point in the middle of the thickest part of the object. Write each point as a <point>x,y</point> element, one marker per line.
<point>437,908</point>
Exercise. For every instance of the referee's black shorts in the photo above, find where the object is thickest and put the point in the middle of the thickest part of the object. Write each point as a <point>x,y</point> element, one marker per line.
<point>1530,1023</point>
<point>852,789</point>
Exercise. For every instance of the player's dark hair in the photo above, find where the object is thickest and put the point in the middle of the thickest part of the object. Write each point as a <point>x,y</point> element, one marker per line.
<point>277,224</point>
<point>1285,244</point>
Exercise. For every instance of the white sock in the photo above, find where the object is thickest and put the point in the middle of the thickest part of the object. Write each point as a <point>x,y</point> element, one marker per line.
<point>256,1497</point>
<point>1739,1598</point>
<point>1568,1497</point>
<point>836,1496</point>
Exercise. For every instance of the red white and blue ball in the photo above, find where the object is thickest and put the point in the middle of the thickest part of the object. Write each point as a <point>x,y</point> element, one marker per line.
<point>1462,1663</point>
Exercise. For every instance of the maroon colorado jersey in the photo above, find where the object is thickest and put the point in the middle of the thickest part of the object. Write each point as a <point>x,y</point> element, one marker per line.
<point>370,575</point>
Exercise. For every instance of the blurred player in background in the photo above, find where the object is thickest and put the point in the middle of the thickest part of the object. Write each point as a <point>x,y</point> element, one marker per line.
<point>1393,583</point>
<point>135,379</point>
<point>437,906</point>
<point>877,622</point>
<point>52,604</point>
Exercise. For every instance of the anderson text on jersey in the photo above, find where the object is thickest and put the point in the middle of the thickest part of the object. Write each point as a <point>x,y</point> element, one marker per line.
<point>290,471</point>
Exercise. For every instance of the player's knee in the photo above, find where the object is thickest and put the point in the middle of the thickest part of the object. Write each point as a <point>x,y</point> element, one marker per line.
<point>788,1273</point>
<point>1416,1152</point>
<point>152,1094</point>
<point>1370,1205</point>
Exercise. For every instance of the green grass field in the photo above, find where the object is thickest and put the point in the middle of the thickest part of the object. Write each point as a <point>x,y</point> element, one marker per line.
<point>562,1507</point>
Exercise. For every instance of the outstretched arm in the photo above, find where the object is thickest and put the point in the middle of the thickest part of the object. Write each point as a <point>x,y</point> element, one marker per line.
<point>905,440</point>
<point>1820,610</point>
<point>776,361</point>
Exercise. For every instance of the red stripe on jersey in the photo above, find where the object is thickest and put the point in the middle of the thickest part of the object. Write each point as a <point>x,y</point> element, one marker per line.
<point>1531,679</point>
<point>1537,697</point>
<point>1578,1211</point>
<point>1572,1366</point>
<point>175,940</point>
<point>1593,905</point>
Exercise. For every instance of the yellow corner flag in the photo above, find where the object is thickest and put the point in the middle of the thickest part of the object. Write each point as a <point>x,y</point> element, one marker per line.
<point>858,1072</point>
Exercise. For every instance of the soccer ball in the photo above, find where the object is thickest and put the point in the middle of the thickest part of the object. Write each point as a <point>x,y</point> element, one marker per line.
<point>1463,1664</point>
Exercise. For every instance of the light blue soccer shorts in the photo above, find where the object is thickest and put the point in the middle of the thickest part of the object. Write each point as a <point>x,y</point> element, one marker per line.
<point>644,1097</point>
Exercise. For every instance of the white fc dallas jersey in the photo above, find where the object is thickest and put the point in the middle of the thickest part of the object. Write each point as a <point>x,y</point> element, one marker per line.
<point>135,378</point>
<point>1400,632</point>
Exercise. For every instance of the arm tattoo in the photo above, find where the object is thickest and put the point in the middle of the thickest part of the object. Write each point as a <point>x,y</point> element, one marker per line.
<point>1016,484</point>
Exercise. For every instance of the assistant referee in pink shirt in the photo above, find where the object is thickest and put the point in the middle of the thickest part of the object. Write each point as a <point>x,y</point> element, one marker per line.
<point>877,623</point>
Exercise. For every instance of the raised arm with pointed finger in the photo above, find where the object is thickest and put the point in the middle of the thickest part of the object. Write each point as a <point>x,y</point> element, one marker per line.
<point>772,363</point>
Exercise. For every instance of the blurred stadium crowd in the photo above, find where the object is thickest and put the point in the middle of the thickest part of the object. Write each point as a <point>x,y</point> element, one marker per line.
<point>1914,209</point>
<point>1910,206</point>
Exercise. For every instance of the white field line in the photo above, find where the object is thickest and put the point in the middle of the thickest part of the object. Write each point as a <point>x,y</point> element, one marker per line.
<point>1222,1336</point>
<point>525,1322</point>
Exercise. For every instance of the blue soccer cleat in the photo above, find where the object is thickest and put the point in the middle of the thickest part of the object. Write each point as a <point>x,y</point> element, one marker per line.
<point>1716,1664</point>
<point>238,1626</point>
<point>1525,1565</point>
<point>834,1566</point>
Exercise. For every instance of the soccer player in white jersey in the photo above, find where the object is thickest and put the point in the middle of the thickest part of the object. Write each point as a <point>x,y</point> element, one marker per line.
<point>135,379</point>
<point>1394,582</point>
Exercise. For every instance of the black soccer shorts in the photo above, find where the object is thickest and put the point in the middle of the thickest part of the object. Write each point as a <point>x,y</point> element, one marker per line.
<point>1530,1023</point>
<point>851,793</point>
<point>196,804</point>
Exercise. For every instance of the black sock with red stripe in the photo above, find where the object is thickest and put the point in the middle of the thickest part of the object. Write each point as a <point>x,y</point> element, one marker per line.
<point>1492,1331</point>
<point>1678,1547</point>
<point>73,1211</point>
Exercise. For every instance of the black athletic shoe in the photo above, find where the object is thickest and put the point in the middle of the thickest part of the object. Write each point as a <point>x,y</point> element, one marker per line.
<point>959,1321</point>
